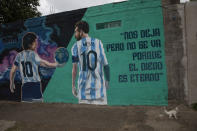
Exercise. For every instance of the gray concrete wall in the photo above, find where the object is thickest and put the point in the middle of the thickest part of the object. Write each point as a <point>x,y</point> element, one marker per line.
<point>191,39</point>
<point>175,49</point>
<point>180,25</point>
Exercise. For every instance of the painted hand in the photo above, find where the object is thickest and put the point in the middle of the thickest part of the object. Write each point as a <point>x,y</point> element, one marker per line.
<point>107,84</point>
<point>12,88</point>
<point>74,91</point>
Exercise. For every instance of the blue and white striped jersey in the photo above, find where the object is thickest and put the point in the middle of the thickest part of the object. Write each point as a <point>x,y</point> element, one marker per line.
<point>28,62</point>
<point>90,56</point>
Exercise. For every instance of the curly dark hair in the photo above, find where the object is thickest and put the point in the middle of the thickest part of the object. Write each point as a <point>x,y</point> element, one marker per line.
<point>28,40</point>
<point>82,25</point>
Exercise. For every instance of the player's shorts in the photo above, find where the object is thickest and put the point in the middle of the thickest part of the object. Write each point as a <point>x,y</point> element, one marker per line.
<point>101,101</point>
<point>31,92</point>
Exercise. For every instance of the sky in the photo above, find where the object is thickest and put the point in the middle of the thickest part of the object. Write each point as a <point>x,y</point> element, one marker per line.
<point>56,6</point>
<point>183,1</point>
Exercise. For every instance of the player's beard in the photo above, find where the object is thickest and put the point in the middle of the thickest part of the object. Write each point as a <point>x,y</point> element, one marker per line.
<point>78,37</point>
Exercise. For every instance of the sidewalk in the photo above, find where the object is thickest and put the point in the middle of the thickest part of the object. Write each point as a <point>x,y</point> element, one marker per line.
<point>73,117</point>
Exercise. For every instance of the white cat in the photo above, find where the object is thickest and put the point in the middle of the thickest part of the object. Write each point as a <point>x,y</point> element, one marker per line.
<point>172,112</point>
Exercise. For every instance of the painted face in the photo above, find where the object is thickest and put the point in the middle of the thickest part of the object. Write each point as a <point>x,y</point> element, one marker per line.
<point>77,34</point>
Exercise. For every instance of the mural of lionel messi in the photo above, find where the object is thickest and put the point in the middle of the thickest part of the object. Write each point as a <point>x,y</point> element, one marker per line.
<point>89,54</point>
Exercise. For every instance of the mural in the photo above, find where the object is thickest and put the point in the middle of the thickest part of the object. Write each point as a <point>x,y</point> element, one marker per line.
<point>50,37</point>
<point>133,41</point>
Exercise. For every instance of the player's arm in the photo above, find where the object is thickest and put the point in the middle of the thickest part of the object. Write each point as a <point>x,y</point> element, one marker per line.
<point>48,64</point>
<point>74,74</point>
<point>75,60</point>
<point>44,63</point>
<point>107,72</point>
<point>106,66</point>
<point>12,75</point>
<point>107,75</point>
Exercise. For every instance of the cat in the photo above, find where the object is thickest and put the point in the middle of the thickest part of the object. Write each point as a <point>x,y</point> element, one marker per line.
<point>172,112</point>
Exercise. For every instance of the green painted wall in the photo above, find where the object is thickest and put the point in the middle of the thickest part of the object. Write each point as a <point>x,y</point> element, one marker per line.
<point>127,86</point>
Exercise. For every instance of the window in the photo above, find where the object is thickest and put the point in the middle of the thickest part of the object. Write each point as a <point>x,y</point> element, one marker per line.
<point>107,25</point>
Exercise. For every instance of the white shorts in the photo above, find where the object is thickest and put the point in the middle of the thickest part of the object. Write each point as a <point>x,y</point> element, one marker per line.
<point>101,101</point>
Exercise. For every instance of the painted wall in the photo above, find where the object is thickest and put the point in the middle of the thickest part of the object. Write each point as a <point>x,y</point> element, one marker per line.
<point>134,48</point>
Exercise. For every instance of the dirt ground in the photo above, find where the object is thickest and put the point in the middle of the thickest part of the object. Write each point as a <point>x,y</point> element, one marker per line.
<point>16,116</point>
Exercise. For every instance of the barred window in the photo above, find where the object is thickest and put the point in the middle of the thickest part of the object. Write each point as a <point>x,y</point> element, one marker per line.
<point>107,25</point>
